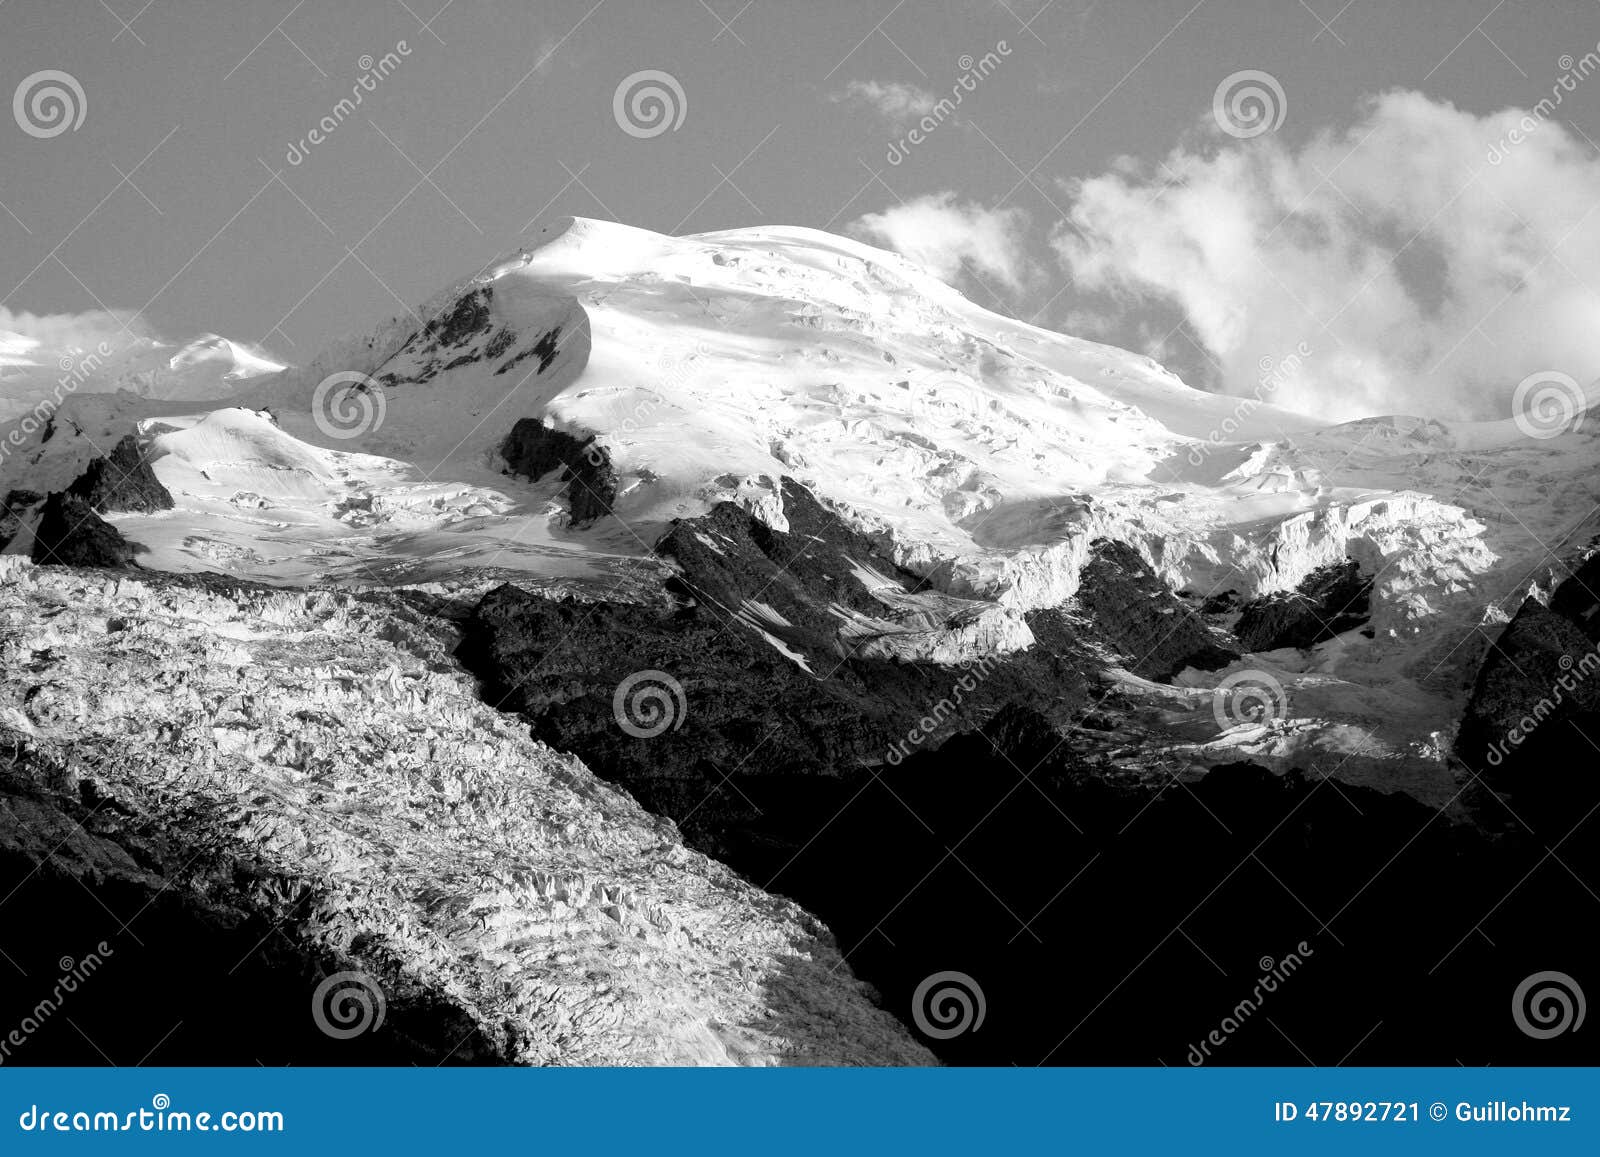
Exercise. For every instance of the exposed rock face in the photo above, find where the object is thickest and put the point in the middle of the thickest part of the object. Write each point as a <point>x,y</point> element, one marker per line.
<point>1331,600</point>
<point>122,480</point>
<point>313,770</point>
<point>769,663</point>
<point>1578,597</point>
<point>534,449</point>
<point>70,533</point>
<point>1533,718</point>
<point>1134,611</point>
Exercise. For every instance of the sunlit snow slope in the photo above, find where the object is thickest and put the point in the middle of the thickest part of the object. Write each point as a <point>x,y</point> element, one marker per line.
<point>984,453</point>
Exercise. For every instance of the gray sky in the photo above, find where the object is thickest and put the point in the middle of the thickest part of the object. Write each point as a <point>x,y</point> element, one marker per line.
<point>201,236</point>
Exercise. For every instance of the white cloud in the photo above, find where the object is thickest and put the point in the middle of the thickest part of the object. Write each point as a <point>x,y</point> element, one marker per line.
<point>67,333</point>
<point>951,238</point>
<point>899,104</point>
<point>1423,277</point>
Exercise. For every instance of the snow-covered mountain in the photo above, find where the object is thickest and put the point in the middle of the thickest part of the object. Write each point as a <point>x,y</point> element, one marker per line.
<point>36,374</point>
<point>818,488</point>
<point>983,454</point>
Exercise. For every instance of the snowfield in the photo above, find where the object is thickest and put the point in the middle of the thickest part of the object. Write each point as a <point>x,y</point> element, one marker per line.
<point>982,453</point>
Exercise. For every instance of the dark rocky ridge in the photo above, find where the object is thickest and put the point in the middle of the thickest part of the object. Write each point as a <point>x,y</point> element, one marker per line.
<point>533,449</point>
<point>1135,612</point>
<point>1109,925</point>
<point>1532,721</point>
<point>561,661</point>
<point>1330,601</point>
<point>70,533</point>
<point>122,481</point>
<point>464,334</point>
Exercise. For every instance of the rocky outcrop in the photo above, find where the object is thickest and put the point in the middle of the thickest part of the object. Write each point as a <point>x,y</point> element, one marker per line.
<point>769,637</point>
<point>1332,600</point>
<point>70,533</point>
<point>311,776</point>
<point>122,481</point>
<point>1532,721</point>
<point>533,449</point>
<point>1154,632</point>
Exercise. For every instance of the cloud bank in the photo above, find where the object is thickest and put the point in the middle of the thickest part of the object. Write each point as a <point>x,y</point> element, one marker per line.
<point>1424,276</point>
<point>953,238</point>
